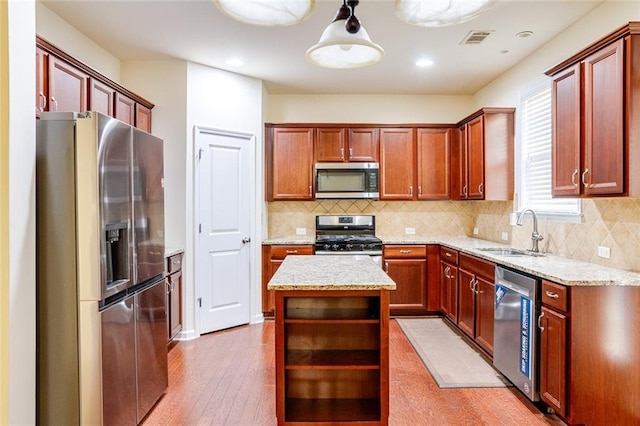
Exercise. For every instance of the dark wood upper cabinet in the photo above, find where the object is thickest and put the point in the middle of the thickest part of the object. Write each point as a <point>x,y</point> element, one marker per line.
<point>63,83</point>
<point>433,152</point>
<point>125,109</point>
<point>289,163</point>
<point>102,98</point>
<point>68,87</point>
<point>482,156</point>
<point>397,164</point>
<point>595,137</point>
<point>342,144</point>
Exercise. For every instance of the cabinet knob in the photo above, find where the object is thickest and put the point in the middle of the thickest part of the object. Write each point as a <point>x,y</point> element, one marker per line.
<point>342,153</point>
<point>54,103</point>
<point>573,178</point>
<point>43,101</point>
<point>481,187</point>
<point>410,189</point>
<point>292,251</point>
<point>405,251</point>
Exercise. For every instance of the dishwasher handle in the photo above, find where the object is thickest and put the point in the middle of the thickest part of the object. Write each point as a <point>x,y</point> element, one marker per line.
<point>514,287</point>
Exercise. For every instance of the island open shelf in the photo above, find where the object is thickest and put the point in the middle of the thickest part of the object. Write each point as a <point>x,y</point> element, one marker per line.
<point>332,341</point>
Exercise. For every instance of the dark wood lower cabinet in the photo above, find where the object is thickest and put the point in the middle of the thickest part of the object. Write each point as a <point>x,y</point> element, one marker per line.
<point>476,300</point>
<point>272,257</point>
<point>332,357</point>
<point>407,266</point>
<point>553,360</point>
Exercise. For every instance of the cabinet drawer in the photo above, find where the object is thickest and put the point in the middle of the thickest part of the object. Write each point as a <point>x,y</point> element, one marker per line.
<point>402,252</point>
<point>555,295</point>
<point>478,266</point>
<point>174,263</point>
<point>280,252</point>
<point>449,255</point>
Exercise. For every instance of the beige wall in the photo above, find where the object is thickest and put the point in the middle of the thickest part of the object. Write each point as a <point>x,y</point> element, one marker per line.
<point>4,215</point>
<point>61,34</point>
<point>388,109</point>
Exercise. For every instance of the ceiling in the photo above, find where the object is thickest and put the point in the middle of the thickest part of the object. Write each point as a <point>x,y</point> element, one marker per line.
<point>196,31</point>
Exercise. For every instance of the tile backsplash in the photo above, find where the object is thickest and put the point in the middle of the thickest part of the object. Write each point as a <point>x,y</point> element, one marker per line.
<point>610,222</point>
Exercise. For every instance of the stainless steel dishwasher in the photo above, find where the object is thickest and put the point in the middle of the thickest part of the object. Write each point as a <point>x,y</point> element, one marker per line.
<point>515,345</point>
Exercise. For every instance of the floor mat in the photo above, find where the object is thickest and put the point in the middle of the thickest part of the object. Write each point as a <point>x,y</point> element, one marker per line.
<point>449,359</point>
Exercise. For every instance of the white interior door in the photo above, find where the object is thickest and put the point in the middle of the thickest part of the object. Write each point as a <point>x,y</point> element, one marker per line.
<point>223,258</point>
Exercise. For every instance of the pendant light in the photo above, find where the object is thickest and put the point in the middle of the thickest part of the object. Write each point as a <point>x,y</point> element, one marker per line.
<point>267,13</point>
<point>345,43</point>
<point>438,13</point>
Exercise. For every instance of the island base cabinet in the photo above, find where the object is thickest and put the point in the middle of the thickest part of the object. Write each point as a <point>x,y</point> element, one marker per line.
<point>332,362</point>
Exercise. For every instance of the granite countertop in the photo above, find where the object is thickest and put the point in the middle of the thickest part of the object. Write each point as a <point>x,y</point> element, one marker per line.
<point>298,239</point>
<point>170,251</point>
<point>330,273</point>
<point>554,268</point>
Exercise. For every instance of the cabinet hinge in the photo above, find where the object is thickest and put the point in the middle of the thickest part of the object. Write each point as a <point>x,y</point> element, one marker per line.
<point>199,228</point>
<point>199,302</point>
<point>200,153</point>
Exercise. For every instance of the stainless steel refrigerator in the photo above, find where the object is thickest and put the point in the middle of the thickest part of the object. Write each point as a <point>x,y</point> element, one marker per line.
<point>101,324</point>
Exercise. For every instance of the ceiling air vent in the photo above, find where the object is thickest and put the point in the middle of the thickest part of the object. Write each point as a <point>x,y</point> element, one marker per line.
<point>476,37</point>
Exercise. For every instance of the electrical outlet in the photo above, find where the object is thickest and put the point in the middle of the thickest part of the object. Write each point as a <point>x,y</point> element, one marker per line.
<point>604,252</point>
<point>410,231</point>
<point>301,231</point>
<point>476,231</point>
<point>505,236</point>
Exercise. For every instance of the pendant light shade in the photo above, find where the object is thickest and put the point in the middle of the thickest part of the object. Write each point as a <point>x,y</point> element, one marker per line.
<point>345,43</point>
<point>439,13</point>
<point>267,13</point>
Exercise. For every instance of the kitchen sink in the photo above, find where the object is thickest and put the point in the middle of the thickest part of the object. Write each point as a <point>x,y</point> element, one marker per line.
<point>510,252</point>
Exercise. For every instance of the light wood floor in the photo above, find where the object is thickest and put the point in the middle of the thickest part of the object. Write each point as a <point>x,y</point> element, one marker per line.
<point>228,378</point>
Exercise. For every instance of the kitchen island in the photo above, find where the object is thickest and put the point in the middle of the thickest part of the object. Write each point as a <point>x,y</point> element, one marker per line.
<point>332,341</point>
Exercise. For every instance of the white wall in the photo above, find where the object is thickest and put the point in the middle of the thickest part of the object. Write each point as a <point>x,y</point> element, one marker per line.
<point>165,84</point>
<point>223,100</point>
<point>602,20</point>
<point>22,267</point>
<point>387,109</point>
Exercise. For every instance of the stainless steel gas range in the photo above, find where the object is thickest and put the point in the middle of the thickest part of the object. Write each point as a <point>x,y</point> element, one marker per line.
<point>352,235</point>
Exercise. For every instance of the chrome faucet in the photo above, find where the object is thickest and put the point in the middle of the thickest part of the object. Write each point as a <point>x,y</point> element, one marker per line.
<point>535,236</point>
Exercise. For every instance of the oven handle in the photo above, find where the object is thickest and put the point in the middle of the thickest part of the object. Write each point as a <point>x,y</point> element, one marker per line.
<point>349,253</point>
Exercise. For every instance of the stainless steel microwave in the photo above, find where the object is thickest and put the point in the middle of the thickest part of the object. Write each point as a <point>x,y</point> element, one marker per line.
<point>346,180</point>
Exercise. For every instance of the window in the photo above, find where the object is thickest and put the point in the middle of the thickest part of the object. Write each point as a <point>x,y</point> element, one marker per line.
<point>534,135</point>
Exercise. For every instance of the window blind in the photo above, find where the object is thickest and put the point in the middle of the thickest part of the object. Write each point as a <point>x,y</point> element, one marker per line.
<point>535,136</point>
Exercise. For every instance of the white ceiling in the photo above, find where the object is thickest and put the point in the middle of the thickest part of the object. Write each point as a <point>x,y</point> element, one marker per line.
<point>194,30</point>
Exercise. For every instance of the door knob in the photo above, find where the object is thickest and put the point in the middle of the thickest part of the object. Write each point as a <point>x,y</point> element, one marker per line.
<point>246,240</point>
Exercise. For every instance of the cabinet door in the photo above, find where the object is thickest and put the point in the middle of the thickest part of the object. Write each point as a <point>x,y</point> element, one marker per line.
<point>565,167</point>
<point>397,164</point>
<point>410,295</point>
<point>175,304</point>
<point>68,87</point>
<point>41,81</point>
<point>603,121</point>
<point>466,302</point>
<point>329,145</point>
<point>125,109</point>
<point>363,144</point>
<point>433,147</point>
<point>143,118</point>
<point>449,291</point>
<point>553,357</point>
<point>102,98</point>
<point>475,150</point>
<point>291,173</point>
<point>485,308</point>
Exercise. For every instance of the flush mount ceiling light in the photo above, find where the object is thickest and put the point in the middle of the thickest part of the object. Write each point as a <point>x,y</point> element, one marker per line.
<point>267,13</point>
<point>345,43</point>
<point>439,13</point>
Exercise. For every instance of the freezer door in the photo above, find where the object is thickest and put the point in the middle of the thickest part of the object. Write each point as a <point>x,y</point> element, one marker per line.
<point>151,341</point>
<point>148,196</point>
<point>114,168</point>
<point>119,364</point>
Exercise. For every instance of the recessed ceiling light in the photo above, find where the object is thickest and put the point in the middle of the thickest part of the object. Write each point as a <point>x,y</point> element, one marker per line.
<point>524,34</point>
<point>424,62</point>
<point>235,62</point>
<point>504,51</point>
